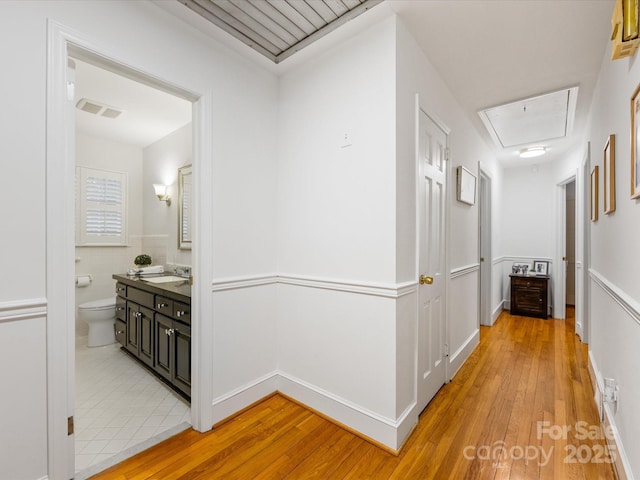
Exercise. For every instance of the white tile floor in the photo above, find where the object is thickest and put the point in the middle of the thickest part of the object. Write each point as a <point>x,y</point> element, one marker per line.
<point>119,404</point>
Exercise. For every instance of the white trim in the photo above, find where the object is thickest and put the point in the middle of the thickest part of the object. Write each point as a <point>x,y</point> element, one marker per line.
<point>516,258</point>
<point>393,291</point>
<point>462,354</point>
<point>466,270</point>
<point>60,260</point>
<point>201,298</point>
<point>628,304</point>
<point>226,405</point>
<point>498,310</point>
<point>235,283</point>
<point>23,309</point>
<point>388,432</point>
<point>351,286</point>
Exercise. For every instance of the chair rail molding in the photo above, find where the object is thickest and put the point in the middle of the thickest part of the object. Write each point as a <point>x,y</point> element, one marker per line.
<point>23,309</point>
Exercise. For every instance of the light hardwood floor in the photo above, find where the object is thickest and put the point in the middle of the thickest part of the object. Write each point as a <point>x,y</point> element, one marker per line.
<point>521,407</point>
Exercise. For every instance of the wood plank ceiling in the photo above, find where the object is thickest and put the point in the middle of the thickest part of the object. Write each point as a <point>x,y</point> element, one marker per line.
<point>279,28</point>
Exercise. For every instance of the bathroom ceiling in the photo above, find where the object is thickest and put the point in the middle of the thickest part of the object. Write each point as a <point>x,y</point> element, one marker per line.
<point>147,114</point>
<point>278,28</point>
<point>487,52</point>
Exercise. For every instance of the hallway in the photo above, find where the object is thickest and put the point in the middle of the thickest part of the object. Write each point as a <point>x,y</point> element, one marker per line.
<point>521,407</point>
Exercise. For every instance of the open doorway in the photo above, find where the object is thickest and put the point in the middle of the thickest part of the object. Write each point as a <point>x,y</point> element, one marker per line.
<point>128,136</point>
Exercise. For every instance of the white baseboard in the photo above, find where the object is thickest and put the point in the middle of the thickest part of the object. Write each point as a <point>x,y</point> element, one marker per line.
<point>227,405</point>
<point>614,442</point>
<point>388,432</point>
<point>385,431</point>
<point>496,313</point>
<point>457,359</point>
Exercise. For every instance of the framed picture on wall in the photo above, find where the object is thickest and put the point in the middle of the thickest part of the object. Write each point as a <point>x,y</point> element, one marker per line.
<point>609,176</point>
<point>466,186</point>
<point>635,148</point>
<point>594,194</point>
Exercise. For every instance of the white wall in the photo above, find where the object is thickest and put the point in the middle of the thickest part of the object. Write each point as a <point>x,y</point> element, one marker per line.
<point>336,228</point>
<point>528,215</point>
<point>614,289</point>
<point>242,140</point>
<point>417,75</point>
<point>102,262</point>
<point>161,162</point>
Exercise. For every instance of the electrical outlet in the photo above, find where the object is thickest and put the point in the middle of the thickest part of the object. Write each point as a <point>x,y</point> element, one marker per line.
<point>610,394</point>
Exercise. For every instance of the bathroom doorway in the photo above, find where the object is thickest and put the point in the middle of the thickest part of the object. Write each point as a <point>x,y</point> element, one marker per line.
<point>141,136</point>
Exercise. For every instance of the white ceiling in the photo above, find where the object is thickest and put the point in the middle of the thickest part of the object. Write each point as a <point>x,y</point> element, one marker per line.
<point>147,115</point>
<point>488,52</point>
<point>495,52</point>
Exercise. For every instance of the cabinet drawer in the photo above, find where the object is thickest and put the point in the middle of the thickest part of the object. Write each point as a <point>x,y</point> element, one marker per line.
<point>140,297</point>
<point>182,312</point>
<point>121,289</point>
<point>121,332</point>
<point>163,305</point>
<point>528,282</point>
<point>121,309</point>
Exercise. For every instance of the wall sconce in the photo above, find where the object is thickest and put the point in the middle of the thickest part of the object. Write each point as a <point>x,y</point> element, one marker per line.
<point>161,193</point>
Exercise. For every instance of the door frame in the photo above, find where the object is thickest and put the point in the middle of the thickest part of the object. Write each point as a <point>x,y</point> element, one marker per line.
<point>447,214</point>
<point>485,285</point>
<point>560,285</point>
<point>60,239</point>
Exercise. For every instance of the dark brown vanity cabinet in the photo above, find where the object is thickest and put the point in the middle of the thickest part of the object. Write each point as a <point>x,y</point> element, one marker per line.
<point>153,324</point>
<point>529,295</point>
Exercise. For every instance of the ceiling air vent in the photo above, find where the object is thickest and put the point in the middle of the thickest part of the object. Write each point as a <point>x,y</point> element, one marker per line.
<point>97,108</point>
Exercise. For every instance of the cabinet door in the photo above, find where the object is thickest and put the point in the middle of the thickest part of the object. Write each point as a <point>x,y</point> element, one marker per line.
<point>132,341</point>
<point>145,326</point>
<point>181,373</point>
<point>162,350</point>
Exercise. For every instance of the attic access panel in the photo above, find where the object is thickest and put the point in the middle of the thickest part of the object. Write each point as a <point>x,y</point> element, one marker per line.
<point>532,120</point>
<point>278,28</point>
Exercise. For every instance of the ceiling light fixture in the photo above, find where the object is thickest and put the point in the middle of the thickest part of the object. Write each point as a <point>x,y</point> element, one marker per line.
<point>531,152</point>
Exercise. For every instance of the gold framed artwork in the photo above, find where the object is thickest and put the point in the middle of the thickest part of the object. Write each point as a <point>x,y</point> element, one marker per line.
<point>609,175</point>
<point>594,194</point>
<point>635,139</point>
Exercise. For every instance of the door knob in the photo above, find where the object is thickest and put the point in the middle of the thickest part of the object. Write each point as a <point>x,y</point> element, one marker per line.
<point>424,280</point>
<point>482,259</point>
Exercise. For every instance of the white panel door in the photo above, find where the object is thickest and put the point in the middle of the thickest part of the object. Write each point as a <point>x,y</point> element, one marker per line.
<point>432,148</point>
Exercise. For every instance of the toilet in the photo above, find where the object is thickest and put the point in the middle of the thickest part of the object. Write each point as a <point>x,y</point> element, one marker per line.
<point>100,315</point>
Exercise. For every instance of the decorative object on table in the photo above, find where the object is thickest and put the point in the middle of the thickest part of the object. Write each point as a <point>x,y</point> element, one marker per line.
<point>594,194</point>
<point>466,186</point>
<point>609,176</point>
<point>635,154</point>
<point>541,267</point>
<point>520,268</point>
<point>142,260</point>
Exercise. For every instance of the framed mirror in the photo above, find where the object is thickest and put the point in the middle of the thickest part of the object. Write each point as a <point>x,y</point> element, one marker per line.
<point>185,207</point>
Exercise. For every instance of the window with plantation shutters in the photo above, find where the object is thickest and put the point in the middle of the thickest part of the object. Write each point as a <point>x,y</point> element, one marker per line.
<point>100,207</point>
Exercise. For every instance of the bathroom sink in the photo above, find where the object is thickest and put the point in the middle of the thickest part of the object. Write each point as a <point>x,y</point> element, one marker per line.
<point>166,279</point>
